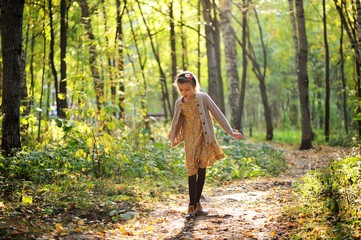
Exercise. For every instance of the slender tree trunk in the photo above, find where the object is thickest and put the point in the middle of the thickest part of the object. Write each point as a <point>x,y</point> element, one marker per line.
<point>40,112</point>
<point>303,78</point>
<point>11,41</point>
<point>230,48</point>
<point>31,70</point>
<point>24,93</point>
<point>23,88</point>
<point>318,117</point>
<point>293,114</point>
<point>261,76</point>
<point>215,86</point>
<point>120,45</point>
<point>98,83</point>
<point>343,81</point>
<point>173,48</point>
<point>327,73</point>
<point>217,37</point>
<point>63,105</point>
<point>51,56</point>
<point>242,95</point>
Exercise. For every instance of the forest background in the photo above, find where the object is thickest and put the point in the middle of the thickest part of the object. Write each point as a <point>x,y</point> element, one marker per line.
<point>110,60</point>
<point>87,85</point>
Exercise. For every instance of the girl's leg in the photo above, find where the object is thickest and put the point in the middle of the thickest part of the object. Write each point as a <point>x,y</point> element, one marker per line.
<point>200,183</point>
<point>192,186</point>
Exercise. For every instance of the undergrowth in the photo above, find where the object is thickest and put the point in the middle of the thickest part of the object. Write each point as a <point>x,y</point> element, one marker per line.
<point>247,160</point>
<point>105,177</point>
<point>329,202</point>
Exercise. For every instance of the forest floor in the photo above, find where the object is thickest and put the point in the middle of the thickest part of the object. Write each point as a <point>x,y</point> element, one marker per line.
<point>244,209</point>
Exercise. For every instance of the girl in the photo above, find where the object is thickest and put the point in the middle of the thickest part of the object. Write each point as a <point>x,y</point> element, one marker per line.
<point>192,124</point>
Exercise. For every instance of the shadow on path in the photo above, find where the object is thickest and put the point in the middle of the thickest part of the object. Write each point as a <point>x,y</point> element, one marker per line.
<point>192,225</point>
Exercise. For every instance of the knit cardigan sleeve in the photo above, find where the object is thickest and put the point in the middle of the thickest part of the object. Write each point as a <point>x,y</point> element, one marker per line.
<point>176,134</point>
<point>217,114</point>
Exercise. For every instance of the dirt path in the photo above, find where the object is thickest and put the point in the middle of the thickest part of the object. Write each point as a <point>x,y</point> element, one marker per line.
<point>247,209</point>
<point>239,210</point>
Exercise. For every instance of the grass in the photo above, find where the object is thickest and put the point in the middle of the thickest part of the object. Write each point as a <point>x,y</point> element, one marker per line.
<point>294,137</point>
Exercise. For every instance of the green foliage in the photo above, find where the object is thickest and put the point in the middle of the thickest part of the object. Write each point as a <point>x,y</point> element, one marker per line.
<point>41,166</point>
<point>294,136</point>
<point>247,160</point>
<point>331,200</point>
<point>290,136</point>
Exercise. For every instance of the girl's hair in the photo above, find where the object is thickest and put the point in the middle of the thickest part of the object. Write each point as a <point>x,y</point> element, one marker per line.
<point>187,77</point>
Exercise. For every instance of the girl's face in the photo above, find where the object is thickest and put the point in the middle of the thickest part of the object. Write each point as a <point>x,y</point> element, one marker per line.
<point>187,90</point>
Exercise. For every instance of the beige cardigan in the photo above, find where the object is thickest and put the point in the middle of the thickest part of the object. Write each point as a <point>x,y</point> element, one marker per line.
<point>206,107</point>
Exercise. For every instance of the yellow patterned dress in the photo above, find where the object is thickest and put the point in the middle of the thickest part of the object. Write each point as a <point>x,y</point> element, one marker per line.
<point>198,153</point>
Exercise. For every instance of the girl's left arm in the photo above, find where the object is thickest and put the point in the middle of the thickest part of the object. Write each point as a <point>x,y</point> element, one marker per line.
<point>218,115</point>
<point>221,119</point>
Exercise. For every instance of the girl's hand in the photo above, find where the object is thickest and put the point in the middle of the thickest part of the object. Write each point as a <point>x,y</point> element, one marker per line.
<point>237,135</point>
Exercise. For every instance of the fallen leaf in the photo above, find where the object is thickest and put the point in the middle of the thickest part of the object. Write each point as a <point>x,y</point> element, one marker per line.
<point>59,227</point>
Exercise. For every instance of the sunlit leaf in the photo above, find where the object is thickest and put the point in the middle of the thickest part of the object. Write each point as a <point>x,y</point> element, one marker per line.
<point>27,199</point>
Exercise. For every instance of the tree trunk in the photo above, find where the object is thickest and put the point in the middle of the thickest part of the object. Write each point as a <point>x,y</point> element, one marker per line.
<point>24,93</point>
<point>63,67</point>
<point>23,88</point>
<point>173,49</point>
<point>293,114</point>
<point>231,60</point>
<point>343,81</point>
<point>215,86</point>
<point>42,81</point>
<point>51,56</point>
<point>303,78</point>
<point>11,40</point>
<point>261,76</point>
<point>31,70</point>
<point>120,45</point>
<point>98,83</point>
<point>327,74</point>
<point>217,37</point>
<point>317,116</point>
<point>242,95</point>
